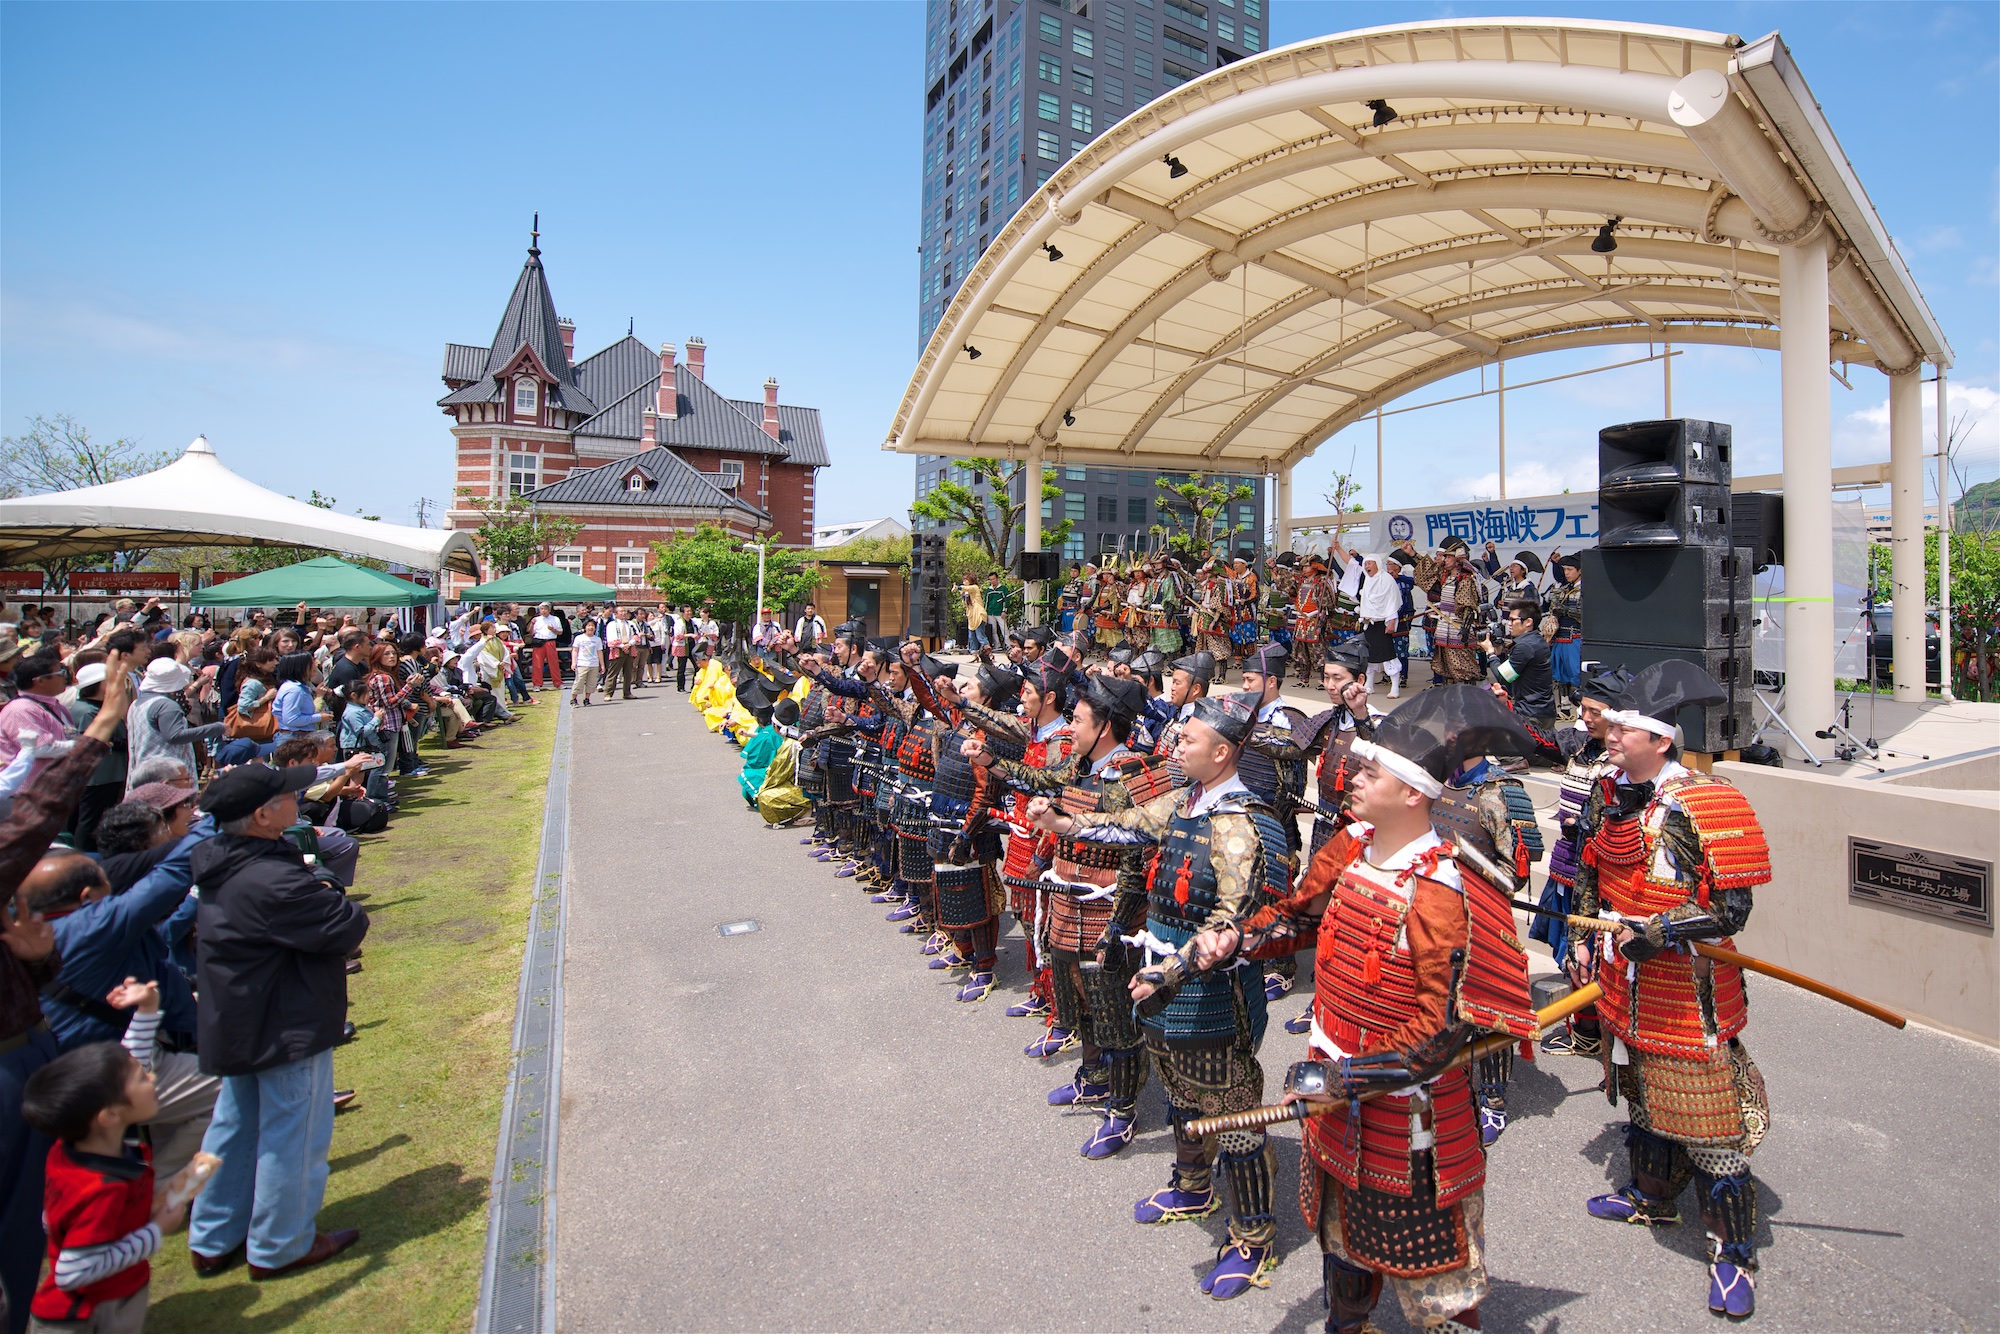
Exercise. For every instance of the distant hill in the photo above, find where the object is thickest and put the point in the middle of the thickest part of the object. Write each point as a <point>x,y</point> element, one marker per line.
<point>1979,509</point>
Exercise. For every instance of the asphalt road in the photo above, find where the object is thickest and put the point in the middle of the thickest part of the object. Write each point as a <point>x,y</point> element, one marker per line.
<point>799,1129</point>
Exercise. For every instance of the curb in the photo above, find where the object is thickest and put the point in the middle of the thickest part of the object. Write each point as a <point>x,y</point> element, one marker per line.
<point>516,1285</point>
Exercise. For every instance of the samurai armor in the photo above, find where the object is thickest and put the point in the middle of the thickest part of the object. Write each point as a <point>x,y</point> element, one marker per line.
<point>964,895</point>
<point>1404,1236</point>
<point>1223,1006</point>
<point>1663,1005</point>
<point>1717,1101</point>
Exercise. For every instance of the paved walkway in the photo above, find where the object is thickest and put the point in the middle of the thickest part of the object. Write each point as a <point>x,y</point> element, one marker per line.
<point>799,1128</point>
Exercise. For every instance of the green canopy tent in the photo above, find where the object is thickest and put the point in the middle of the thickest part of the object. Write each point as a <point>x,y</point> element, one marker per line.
<point>325,581</point>
<point>541,582</point>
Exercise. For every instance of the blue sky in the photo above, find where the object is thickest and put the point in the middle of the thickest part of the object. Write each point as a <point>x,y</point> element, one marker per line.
<point>263,222</point>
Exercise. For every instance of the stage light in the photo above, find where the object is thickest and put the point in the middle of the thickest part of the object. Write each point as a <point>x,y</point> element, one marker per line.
<point>972,352</point>
<point>1606,242</point>
<point>1069,419</point>
<point>1384,113</point>
<point>1175,168</point>
<point>1054,254</point>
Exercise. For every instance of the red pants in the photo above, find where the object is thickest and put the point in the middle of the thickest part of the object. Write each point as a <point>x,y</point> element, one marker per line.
<point>545,654</point>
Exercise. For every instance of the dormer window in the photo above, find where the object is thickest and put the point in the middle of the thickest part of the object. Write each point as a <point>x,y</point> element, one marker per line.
<point>636,482</point>
<point>732,474</point>
<point>526,394</point>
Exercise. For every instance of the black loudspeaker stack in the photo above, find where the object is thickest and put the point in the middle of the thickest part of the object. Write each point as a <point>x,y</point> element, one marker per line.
<point>1037,566</point>
<point>930,587</point>
<point>1666,579</point>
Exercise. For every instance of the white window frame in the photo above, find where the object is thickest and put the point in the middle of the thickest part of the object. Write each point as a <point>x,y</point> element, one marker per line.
<point>570,560</point>
<point>731,468</point>
<point>629,569</point>
<point>528,387</point>
<point>636,482</point>
<point>533,473</point>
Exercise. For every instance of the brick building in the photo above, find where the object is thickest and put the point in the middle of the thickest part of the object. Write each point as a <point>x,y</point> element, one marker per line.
<point>630,442</point>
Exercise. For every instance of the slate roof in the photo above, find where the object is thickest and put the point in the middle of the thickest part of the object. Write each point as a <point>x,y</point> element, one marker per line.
<point>465,363</point>
<point>676,485</point>
<point>530,321</point>
<point>798,431</point>
<point>609,375</point>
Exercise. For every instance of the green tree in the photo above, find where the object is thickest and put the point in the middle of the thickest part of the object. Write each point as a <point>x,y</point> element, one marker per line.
<point>513,533</point>
<point>1195,514</point>
<point>990,522</point>
<point>57,454</point>
<point>710,565</point>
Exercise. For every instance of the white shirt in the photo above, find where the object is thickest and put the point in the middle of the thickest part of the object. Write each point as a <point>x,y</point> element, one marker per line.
<point>618,632</point>
<point>816,625</point>
<point>546,627</point>
<point>1381,598</point>
<point>1206,802</point>
<point>586,650</point>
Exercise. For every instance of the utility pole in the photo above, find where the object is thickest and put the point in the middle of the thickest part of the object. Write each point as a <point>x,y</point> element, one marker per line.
<point>423,509</point>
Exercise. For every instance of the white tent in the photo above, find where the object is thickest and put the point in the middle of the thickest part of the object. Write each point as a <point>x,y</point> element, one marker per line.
<point>195,501</point>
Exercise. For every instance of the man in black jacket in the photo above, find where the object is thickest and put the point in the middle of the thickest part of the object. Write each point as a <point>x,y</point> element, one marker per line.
<point>1521,666</point>
<point>274,941</point>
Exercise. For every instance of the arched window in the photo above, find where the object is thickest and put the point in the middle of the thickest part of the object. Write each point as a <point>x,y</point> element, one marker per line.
<point>525,394</point>
<point>636,482</point>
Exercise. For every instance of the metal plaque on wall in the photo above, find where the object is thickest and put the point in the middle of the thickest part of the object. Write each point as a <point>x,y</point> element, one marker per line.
<point>1958,889</point>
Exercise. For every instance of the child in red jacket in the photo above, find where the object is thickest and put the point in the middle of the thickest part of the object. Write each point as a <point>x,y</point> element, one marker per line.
<point>103,1214</point>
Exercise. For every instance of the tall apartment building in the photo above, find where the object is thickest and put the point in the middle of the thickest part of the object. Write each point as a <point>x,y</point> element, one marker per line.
<point>1012,90</point>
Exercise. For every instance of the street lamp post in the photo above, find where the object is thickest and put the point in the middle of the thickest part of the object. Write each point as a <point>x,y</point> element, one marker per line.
<point>757,612</point>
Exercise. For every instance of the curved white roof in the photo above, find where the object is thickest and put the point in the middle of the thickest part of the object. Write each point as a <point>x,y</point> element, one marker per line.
<point>1311,265</point>
<point>196,501</point>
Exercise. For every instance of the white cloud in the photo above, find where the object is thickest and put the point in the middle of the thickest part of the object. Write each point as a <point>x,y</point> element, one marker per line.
<point>1532,477</point>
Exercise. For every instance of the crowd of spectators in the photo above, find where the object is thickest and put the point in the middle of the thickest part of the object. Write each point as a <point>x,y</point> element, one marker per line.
<point>178,811</point>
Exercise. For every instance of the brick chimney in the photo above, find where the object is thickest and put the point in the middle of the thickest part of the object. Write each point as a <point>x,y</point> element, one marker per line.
<point>667,398</point>
<point>697,356</point>
<point>771,407</point>
<point>649,430</point>
<point>567,328</point>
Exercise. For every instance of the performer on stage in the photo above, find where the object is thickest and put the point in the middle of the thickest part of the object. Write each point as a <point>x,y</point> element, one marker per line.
<point>1315,599</point>
<point>1101,773</point>
<point>1218,853</point>
<point>1163,609</point>
<point>1448,579</point>
<point>1562,626</point>
<point>1416,957</point>
<point>1211,616</point>
<point>1580,750</point>
<point>1242,594</point>
<point>1676,853</point>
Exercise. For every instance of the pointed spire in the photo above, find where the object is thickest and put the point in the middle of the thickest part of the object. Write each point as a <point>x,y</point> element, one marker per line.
<point>535,236</point>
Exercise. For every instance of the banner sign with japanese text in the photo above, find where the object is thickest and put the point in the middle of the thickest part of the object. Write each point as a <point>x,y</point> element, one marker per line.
<point>126,581</point>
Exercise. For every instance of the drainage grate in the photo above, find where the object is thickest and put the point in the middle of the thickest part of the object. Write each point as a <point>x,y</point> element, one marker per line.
<point>517,1287</point>
<point>742,928</point>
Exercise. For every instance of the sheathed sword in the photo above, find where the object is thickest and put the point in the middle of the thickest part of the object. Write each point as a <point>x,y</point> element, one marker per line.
<point>1743,961</point>
<point>1546,1017</point>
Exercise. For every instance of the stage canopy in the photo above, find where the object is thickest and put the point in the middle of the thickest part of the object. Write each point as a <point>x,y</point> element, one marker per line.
<point>1267,254</point>
<point>541,582</point>
<point>195,501</point>
<point>324,581</point>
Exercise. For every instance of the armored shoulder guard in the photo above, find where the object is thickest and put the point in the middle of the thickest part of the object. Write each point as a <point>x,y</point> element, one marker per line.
<point>1144,776</point>
<point>1521,815</point>
<point>1733,848</point>
<point>1493,989</point>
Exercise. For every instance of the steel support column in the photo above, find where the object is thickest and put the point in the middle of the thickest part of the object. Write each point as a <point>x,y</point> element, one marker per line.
<point>1031,532</point>
<point>1808,471</point>
<point>1906,529</point>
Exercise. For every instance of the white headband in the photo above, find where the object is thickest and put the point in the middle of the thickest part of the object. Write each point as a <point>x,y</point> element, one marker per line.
<point>1407,771</point>
<point>1645,722</point>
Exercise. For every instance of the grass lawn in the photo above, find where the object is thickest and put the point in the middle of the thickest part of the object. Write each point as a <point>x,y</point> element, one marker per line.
<point>447,889</point>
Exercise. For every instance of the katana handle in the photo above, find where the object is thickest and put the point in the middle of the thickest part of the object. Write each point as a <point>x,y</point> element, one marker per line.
<point>1270,1115</point>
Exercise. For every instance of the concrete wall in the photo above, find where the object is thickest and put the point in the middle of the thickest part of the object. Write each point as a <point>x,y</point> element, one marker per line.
<point>1943,973</point>
<point>1978,772</point>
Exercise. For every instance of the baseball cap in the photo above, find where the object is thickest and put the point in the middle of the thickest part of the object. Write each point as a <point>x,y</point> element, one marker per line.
<point>237,792</point>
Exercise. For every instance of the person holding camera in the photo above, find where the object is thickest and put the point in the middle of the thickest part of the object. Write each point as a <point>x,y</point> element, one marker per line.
<point>1519,659</point>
